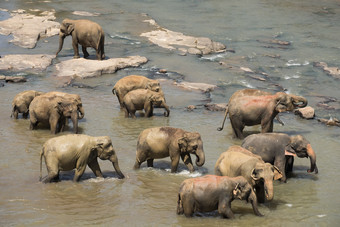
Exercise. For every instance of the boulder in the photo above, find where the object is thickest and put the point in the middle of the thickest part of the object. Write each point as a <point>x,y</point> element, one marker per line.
<point>26,62</point>
<point>27,28</point>
<point>306,112</point>
<point>196,86</point>
<point>178,41</point>
<point>83,68</point>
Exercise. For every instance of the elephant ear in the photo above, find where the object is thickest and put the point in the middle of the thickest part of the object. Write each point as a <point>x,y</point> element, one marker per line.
<point>69,26</point>
<point>183,144</point>
<point>277,173</point>
<point>289,150</point>
<point>281,102</point>
<point>237,190</point>
<point>99,148</point>
<point>256,174</point>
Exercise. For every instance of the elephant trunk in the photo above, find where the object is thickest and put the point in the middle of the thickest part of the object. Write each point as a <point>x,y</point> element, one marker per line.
<point>225,117</point>
<point>312,156</point>
<point>299,101</point>
<point>114,161</point>
<point>253,200</point>
<point>61,41</point>
<point>200,157</point>
<point>166,114</point>
<point>269,190</point>
<point>81,112</point>
<point>74,119</point>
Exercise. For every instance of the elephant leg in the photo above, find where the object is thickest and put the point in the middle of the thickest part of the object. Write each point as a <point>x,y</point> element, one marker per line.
<point>140,158</point>
<point>86,54</point>
<point>53,125</point>
<point>75,47</point>
<point>148,109</point>
<point>281,165</point>
<point>174,163</point>
<point>94,166</point>
<point>224,208</point>
<point>267,126</point>
<point>237,128</point>
<point>289,163</point>
<point>79,172</point>
<point>188,204</point>
<point>33,123</point>
<point>150,162</point>
<point>52,169</point>
<point>187,161</point>
<point>25,115</point>
<point>260,193</point>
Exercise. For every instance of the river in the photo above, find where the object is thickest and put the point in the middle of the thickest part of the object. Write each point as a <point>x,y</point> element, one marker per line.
<point>148,197</point>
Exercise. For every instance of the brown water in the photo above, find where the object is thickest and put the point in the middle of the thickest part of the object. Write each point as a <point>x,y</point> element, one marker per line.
<point>149,197</point>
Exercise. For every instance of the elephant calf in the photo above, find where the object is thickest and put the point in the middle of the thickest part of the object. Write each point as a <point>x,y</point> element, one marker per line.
<point>209,193</point>
<point>143,99</point>
<point>22,101</point>
<point>68,152</point>
<point>161,142</point>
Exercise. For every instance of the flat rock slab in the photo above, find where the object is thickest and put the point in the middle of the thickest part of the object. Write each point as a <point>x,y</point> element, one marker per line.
<point>196,86</point>
<point>84,68</point>
<point>27,28</point>
<point>178,41</point>
<point>26,62</point>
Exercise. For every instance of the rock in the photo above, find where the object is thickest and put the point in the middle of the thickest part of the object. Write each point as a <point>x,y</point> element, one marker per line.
<point>26,62</point>
<point>306,112</point>
<point>275,41</point>
<point>162,71</point>
<point>178,41</point>
<point>196,86</point>
<point>330,122</point>
<point>27,29</point>
<point>83,68</point>
<point>13,79</point>
<point>216,106</point>
<point>333,71</point>
<point>191,107</point>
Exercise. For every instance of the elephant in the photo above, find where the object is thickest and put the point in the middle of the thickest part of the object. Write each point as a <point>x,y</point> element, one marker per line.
<point>210,192</point>
<point>279,149</point>
<point>161,142</point>
<point>72,97</point>
<point>133,82</point>
<point>250,107</point>
<point>53,110</point>
<point>22,101</point>
<point>146,99</point>
<point>237,161</point>
<point>68,152</point>
<point>84,32</point>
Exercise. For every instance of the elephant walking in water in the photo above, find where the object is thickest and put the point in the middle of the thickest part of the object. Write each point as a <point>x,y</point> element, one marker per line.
<point>22,101</point>
<point>250,107</point>
<point>68,152</point>
<point>84,32</point>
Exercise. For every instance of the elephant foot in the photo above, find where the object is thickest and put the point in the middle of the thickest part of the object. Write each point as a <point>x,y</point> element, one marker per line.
<point>76,56</point>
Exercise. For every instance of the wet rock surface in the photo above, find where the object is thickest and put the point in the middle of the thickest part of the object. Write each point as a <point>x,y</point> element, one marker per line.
<point>306,112</point>
<point>333,71</point>
<point>196,86</point>
<point>26,62</point>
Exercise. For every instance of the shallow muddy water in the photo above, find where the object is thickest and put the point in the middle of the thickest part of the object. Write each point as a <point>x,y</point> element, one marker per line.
<point>148,197</point>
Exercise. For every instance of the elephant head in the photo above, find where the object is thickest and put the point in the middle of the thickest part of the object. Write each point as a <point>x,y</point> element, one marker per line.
<point>244,191</point>
<point>287,102</point>
<point>79,106</point>
<point>191,142</point>
<point>154,85</point>
<point>105,151</point>
<point>300,146</point>
<point>66,28</point>
<point>158,100</point>
<point>265,173</point>
<point>69,109</point>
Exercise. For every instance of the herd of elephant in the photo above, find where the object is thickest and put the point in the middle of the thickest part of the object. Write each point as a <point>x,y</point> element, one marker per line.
<point>243,172</point>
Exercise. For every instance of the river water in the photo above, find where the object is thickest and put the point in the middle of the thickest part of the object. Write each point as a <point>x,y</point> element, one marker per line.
<point>148,197</point>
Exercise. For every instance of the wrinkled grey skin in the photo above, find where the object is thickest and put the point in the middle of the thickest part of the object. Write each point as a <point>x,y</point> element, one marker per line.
<point>68,152</point>
<point>143,99</point>
<point>161,142</point>
<point>250,107</point>
<point>237,161</point>
<point>72,97</point>
<point>84,32</point>
<point>133,82</point>
<point>279,149</point>
<point>54,111</point>
<point>22,101</point>
<point>209,193</point>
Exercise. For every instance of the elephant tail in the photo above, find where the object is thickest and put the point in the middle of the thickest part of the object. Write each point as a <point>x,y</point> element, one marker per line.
<point>180,209</point>
<point>41,154</point>
<point>13,110</point>
<point>225,116</point>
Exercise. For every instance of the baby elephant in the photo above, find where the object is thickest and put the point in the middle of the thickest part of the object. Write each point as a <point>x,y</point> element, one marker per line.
<point>143,99</point>
<point>68,152</point>
<point>22,101</point>
<point>209,193</point>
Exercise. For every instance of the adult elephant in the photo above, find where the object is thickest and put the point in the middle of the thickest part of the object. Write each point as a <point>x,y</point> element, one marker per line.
<point>22,101</point>
<point>133,82</point>
<point>84,32</point>
<point>237,161</point>
<point>279,149</point>
<point>68,152</point>
<point>161,142</point>
<point>53,110</point>
<point>250,107</point>
<point>72,97</point>
<point>146,99</point>
<point>209,193</point>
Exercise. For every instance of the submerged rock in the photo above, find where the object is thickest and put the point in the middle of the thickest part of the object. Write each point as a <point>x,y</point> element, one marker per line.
<point>178,41</point>
<point>330,122</point>
<point>196,86</point>
<point>333,71</point>
<point>306,112</point>
<point>83,68</point>
<point>26,62</point>
<point>27,28</point>
<point>216,106</point>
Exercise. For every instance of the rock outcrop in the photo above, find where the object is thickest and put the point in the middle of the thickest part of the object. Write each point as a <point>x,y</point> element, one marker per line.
<point>26,62</point>
<point>83,68</point>
<point>196,86</point>
<point>27,28</point>
<point>178,41</point>
<point>333,71</point>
